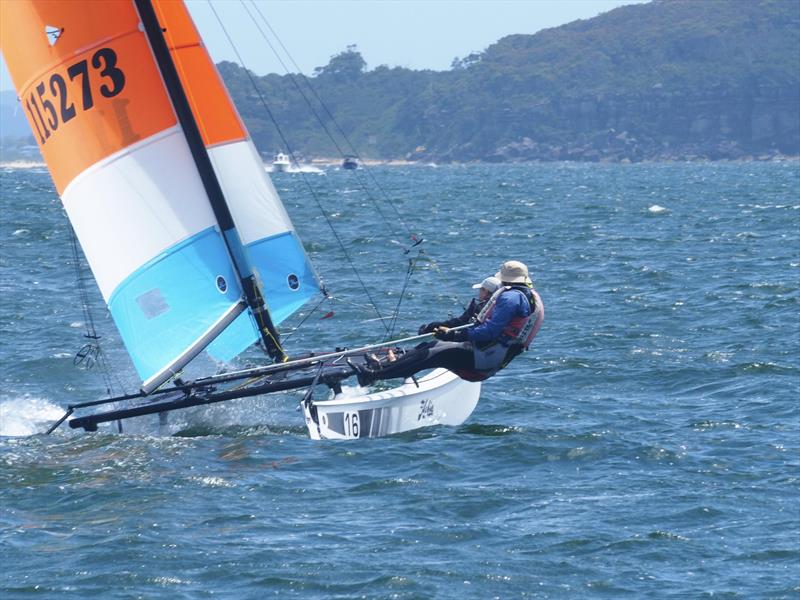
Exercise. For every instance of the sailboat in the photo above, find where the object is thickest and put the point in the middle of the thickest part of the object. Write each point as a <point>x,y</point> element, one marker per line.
<point>186,236</point>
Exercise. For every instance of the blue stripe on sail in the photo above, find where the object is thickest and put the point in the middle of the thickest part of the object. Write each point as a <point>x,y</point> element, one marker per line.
<point>167,304</point>
<point>289,282</point>
<point>288,279</point>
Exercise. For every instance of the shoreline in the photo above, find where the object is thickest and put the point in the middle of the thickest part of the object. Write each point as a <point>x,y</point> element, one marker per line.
<point>372,162</point>
<point>23,163</point>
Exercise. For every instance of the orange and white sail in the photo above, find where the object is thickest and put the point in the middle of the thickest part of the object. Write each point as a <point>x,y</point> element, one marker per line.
<point>95,95</point>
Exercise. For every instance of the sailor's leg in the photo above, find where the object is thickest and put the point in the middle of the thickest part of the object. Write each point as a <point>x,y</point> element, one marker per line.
<point>448,355</point>
<point>491,358</point>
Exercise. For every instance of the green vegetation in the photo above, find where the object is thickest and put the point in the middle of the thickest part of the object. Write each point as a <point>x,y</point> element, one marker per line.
<point>668,79</point>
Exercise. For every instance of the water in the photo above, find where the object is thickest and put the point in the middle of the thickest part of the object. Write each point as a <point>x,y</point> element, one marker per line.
<point>647,445</point>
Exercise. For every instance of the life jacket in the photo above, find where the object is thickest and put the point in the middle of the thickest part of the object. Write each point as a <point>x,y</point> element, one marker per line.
<point>516,336</point>
<point>520,330</point>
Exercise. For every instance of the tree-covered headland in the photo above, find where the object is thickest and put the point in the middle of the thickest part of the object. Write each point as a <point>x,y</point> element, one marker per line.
<point>671,79</point>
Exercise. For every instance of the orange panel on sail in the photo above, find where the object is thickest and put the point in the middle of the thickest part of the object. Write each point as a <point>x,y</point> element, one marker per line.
<point>86,79</point>
<point>213,109</point>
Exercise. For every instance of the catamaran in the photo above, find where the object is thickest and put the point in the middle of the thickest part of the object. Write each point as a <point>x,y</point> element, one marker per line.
<point>186,236</point>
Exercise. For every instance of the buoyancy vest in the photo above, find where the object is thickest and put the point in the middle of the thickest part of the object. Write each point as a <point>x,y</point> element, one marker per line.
<point>520,330</point>
<point>516,336</point>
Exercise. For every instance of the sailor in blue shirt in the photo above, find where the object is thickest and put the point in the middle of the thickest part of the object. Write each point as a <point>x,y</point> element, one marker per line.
<point>509,305</point>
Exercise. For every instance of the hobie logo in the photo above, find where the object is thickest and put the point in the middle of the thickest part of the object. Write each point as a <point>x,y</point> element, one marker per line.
<point>53,33</point>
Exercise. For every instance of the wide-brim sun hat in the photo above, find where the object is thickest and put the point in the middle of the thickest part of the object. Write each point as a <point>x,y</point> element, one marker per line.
<point>490,284</point>
<point>513,271</point>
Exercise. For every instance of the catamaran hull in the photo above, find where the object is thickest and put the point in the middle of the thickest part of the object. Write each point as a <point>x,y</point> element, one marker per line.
<point>441,398</point>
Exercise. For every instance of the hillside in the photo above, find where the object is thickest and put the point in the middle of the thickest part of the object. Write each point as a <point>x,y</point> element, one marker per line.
<point>669,79</point>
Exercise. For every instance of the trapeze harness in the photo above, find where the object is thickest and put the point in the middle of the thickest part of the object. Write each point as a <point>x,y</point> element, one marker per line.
<point>515,338</point>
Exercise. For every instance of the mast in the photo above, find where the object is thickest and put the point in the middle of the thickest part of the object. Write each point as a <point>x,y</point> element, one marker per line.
<point>269,337</point>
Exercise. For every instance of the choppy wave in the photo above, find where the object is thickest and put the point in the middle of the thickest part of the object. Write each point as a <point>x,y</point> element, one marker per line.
<point>654,418</point>
<point>294,169</point>
<point>26,416</point>
<point>22,164</point>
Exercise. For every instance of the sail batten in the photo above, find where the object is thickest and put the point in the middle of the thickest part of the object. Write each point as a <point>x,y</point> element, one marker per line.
<point>180,361</point>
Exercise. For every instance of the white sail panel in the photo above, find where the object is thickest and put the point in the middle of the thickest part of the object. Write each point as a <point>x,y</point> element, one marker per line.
<point>109,134</point>
<point>151,239</point>
<point>274,249</point>
<point>134,205</point>
<point>271,252</point>
<point>250,194</point>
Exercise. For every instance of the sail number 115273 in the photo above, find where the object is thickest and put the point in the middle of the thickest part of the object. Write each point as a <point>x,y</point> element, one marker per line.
<point>50,103</point>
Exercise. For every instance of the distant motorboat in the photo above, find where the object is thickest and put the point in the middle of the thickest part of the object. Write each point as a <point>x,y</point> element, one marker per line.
<point>350,162</point>
<point>280,163</point>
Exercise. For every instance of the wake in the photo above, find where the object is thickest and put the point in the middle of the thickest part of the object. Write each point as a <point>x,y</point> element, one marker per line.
<point>22,417</point>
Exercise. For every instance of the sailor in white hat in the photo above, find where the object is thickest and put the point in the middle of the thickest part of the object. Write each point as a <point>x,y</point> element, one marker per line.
<point>485,288</point>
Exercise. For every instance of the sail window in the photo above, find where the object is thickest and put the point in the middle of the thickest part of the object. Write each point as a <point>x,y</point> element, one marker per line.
<point>222,285</point>
<point>152,303</point>
<point>293,281</point>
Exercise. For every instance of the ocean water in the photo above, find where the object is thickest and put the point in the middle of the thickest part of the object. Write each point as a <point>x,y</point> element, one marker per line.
<point>647,446</point>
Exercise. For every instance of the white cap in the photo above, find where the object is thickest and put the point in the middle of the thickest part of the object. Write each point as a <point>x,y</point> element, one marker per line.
<point>490,284</point>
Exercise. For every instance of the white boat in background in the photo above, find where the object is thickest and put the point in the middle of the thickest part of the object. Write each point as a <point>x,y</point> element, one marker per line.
<point>438,398</point>
<point>280,163</point>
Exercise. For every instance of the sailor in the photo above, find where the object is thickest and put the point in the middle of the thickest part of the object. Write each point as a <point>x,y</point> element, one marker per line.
<point>485,288</point>
<point>505,326</point>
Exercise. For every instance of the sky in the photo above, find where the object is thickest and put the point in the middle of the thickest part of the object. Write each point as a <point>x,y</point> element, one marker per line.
<point>417,34</point>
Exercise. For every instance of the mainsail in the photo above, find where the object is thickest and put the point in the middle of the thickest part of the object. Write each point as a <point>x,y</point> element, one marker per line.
<point>183,254</point>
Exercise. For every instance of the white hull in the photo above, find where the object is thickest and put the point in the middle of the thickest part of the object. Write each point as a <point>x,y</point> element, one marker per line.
<point>280,167</point>
<point>442,398</point>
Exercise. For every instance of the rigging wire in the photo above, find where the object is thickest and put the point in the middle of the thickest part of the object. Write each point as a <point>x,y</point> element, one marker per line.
<point>384,218</point>
<point>305,179</point>
<point>341,131</point>
<point>91,353</point>
<point>416,239</point>
<point>409,273</point>
<point>311,312</point>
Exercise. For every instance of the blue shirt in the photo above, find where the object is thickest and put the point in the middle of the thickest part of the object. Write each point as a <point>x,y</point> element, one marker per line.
<point>510,304</point>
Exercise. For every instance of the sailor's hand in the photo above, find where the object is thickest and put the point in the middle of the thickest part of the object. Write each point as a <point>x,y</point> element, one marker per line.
<point>442,333</point>
<point>428,328</point>
<point>450,335</point>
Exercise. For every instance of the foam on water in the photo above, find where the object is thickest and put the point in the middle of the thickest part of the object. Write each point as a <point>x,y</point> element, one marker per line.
<point>22,164</point>
<point>27,416</point>
<point>301,169</point>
